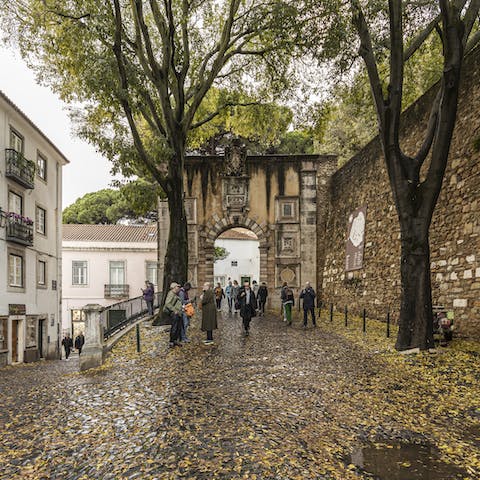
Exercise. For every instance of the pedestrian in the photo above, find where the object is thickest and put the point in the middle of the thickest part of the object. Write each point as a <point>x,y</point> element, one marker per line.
<point>209,313</point>
<point>79,342</point>
<point>236,291</point>
<point>219,295</point>
<point>282,300</point>
<point>262,298</point>
<point>288,303</point>
<point>255,288</point>
<point>229,295</point>
<point>308,296</point>
<point>173,308</point>
<point>248,305</point>
<point>67,345</point>
<point>184,297</point>
<point>148,296</point>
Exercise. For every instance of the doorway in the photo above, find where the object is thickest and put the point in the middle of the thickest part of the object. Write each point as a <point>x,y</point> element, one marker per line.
<point>41,336</point>
<point>15,327</point>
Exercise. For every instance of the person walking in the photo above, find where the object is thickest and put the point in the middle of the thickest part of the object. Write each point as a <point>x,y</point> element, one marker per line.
<point>236,291</point>
<point>79,342</point>
<point>67,345</point>
<point>219,295</point>
<point>148,296</point>
<point>173,307</point>
<point>184,297</point>
<point>288,303</point>
<point>229,295</point>
<point>308,296</point>
<point>209,313</point>
<point>283,297</point>
<point>262,298</point>
<point>248,306</point>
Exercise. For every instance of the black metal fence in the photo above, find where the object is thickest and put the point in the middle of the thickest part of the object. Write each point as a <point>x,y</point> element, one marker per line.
<point>119,315</point>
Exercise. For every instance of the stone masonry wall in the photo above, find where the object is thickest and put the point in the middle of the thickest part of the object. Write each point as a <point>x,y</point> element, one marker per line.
<point>455,230</point>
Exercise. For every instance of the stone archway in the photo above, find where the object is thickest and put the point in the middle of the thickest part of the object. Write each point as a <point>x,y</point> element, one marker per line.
<point>283,199</point>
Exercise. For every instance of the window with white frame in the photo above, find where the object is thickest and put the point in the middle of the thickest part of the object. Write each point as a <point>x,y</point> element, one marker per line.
<point>79,272</point>
<point>15,270</point>
<point>15,203</point>
<point>41,273</point>
<point>151,273</point>
<point>16,141</point>
<point>221,279</point>
<point>117,273</point>
<point>41,166</point>
<point>41,220</point>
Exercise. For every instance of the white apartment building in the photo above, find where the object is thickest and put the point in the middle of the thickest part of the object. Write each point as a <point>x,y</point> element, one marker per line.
<point>104,264</point>
<point>243,260</point>
<point>30,239</point>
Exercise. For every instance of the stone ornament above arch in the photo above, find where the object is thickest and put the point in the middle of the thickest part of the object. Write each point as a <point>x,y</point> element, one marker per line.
<point>217,226</point>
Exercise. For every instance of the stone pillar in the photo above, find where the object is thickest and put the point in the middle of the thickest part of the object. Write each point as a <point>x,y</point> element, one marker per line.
<point>92,352</point>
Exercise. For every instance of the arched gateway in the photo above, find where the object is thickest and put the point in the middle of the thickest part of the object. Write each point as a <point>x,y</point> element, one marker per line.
<point>283,199</point>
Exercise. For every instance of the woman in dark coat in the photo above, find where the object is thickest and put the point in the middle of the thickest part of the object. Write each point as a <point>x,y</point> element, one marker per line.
<point>248,306</point>
<point>209,313</point>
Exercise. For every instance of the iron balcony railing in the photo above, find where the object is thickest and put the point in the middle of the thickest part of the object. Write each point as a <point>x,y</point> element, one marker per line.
<point>116,291</point>
<point>19,230</point>
<point>19,168</point>
<point>118,316</point>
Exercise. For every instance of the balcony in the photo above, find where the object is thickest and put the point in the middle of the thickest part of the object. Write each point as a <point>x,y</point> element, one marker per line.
<point>116,291</point>
<point>19,229</point>
<point>20,169</point>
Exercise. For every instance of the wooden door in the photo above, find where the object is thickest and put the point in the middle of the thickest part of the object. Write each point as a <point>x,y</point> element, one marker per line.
<point>15,340</point>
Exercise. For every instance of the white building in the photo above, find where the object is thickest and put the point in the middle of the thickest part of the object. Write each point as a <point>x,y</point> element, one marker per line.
<point>243,259</point>
<point>105,264</point>
<point>30,239</point>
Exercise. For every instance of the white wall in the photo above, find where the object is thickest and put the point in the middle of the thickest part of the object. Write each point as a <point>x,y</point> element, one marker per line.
<point>98,255</point>
<point>245,252</point>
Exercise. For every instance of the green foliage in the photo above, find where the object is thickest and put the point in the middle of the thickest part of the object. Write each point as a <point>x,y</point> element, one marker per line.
<point>220,253</point>
<point>297,141</point>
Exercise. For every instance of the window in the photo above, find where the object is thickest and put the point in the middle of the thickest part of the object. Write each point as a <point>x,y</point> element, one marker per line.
<point>117,273</point>
<point>42,273</point>
<point>151,274</point>
<point>16,141</point>
<point>221,279</point>
<point>234,263</point>
<point>15,203</point>
<point>41,220</point>
<point>3,333</point>
<point>79,272</point>
<point>41,166</point>
<point>287,210</point>
<point>15,270</point>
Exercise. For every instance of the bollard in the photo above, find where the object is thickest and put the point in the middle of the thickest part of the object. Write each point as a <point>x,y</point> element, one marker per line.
<point>346,316</point>
<point>138,338</point>
<point>388,324</point>
<point>364,320</point>
<point>331,312</point>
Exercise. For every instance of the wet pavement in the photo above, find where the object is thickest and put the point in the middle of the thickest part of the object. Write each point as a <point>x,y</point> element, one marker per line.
<point>283,403</point>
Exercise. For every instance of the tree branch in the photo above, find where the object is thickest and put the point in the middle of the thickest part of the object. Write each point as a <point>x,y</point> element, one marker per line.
<point>212,115</point>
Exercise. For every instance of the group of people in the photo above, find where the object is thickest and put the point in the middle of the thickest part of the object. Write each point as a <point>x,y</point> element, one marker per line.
<point>232,292</point>
<point>248,300</point>
<point>68,344</point>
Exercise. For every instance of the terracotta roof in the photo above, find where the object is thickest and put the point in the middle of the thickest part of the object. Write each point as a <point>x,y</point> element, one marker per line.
<point>25,117</point>
<point>110,233</point>
<point>238,234</point>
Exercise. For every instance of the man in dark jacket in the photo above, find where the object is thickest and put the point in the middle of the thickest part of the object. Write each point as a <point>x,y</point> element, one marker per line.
<point>67,345</point>
<point>308,296</point>
<point>79,342</point>
<point>262,298</point>
<point>248,305</point>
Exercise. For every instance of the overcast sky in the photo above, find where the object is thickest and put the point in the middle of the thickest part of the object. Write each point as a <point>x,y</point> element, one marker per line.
<point>88,171</point>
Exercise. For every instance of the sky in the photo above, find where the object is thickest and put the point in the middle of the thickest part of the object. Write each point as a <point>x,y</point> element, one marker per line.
<point>87,171</point>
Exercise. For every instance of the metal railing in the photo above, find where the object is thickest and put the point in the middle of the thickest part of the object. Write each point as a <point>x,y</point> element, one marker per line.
<point>18,231</point>
<point>119,315</point>
<point>116,291</point>
<point>19,168</point>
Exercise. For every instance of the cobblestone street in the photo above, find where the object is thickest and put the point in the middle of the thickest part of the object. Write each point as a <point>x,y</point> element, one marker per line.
<point>283,403</point>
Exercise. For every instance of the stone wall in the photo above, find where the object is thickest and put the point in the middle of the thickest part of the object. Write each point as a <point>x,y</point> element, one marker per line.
<point>455,230</point>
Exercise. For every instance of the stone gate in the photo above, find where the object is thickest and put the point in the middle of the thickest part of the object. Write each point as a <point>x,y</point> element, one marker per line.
<point>283,199</point>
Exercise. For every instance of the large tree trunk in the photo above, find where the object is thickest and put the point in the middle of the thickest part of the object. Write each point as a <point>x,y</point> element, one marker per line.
<point>415,321</point>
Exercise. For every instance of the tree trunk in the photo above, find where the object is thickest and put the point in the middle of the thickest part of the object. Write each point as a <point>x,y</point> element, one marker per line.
<point>415,321</point>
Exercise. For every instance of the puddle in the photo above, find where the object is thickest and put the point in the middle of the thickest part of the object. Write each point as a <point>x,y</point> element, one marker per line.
<point>403,462</point>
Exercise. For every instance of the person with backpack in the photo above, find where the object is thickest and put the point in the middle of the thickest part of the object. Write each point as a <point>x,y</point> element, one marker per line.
<point>248,306</point>
<point>288,303</point>
<point>262,298</point>
<point>308,297</point>
<point>183,295</point>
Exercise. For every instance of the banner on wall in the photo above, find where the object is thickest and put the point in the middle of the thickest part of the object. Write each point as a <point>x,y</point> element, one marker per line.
<point>355,239</point>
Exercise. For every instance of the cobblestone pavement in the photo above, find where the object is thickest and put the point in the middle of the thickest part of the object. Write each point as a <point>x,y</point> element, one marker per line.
<point>278,404</point>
